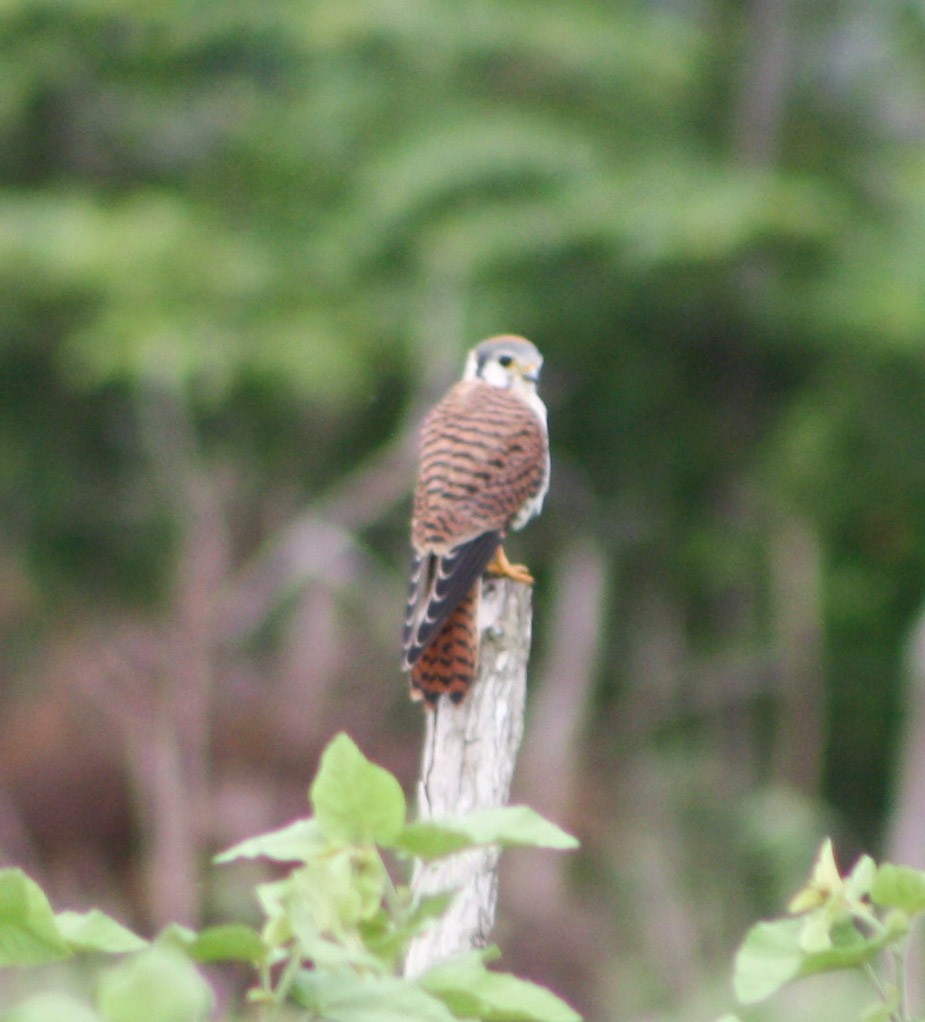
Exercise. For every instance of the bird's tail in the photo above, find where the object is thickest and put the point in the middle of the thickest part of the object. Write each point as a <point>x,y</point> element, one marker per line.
<point>450,662</point>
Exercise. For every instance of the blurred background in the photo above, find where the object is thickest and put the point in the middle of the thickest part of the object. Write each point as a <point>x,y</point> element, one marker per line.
<point>244,245</point>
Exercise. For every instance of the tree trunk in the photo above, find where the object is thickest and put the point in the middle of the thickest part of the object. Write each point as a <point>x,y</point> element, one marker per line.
<point>467,764</point>
<point>796,592</point>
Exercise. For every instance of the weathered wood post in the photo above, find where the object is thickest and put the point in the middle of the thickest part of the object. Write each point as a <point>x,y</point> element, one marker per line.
<point>467,764</point>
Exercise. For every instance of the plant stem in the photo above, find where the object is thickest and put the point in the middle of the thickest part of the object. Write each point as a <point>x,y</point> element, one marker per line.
<point>286,979</point>
<point>266,988</point>
<point>882,992</point>
<point>392,900</point>
<point>899,966</point>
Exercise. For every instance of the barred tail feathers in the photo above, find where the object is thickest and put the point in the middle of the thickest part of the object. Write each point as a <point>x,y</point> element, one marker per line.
<point>449,664</point>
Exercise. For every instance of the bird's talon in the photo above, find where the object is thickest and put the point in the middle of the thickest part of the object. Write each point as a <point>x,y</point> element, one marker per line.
<point>520,573</point>
<point>500,565</point>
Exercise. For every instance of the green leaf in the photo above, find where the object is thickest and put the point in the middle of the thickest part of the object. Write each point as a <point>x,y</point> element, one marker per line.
<point>899,887</point>
<point>234,942</point>
<point>431,906</point>
<point>849,950</point>
<point>328,954</point>
<point>339,889</point>
<point>772,954</point>
<point>859,880</point>
<point>324,903</point>
<point>51,1008</point>
<point>95,931</point>
<point>468,989</point>
<point>296,842</point>
<point>354,800</point>
<point>388,938</point>
<point>29,933</point>
<point>273,896</point>
<point>508,826</point>
<point>158,984</point>
<point>177,936</point>
<point>769,957</point>
<point>346,997</point>
<point>424,911</point>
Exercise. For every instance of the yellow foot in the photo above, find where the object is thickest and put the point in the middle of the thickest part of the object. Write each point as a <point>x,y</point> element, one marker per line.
<point>500,565</point>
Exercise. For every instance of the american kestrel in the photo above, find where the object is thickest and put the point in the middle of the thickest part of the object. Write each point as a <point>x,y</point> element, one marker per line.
<point>484,469</point>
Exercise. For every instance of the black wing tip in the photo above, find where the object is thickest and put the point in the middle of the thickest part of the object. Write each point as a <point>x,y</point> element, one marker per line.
<point>466,563</point>
<point>410,656</point>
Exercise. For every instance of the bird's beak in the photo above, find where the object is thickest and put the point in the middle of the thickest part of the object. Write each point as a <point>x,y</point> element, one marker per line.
<point>531,373</point>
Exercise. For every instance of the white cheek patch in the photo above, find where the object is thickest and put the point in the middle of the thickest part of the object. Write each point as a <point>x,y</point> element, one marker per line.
<point>496,375</point>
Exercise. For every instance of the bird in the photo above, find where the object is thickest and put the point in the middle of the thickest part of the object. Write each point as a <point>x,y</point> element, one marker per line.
<point>483,470</point>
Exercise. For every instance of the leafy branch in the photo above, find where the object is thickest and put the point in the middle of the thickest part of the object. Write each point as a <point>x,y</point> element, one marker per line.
<point>857,922</point>
<point>335,926</point>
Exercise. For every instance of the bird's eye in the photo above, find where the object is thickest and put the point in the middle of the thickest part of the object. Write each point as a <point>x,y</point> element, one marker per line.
<point>504,361</point>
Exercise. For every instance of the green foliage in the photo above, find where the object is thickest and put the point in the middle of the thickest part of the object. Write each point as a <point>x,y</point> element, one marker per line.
<point>354,800</point>
<point>158,983</point>
<point>472,991</point>
<point>900,887</point>
<point>507,827</point>
<point>839,923</point>
<point>29,932</point>
<point>51,1008</point>
<point>335,926</point>
<point>95,931</point>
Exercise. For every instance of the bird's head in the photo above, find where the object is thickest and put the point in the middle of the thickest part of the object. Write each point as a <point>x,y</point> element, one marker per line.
<point>507,362</point>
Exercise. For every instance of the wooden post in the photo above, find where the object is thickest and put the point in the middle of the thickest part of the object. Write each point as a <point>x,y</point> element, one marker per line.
<point>467,764</point>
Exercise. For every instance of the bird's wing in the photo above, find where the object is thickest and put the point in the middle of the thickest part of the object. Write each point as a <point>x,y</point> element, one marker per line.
<point>438,585</point>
